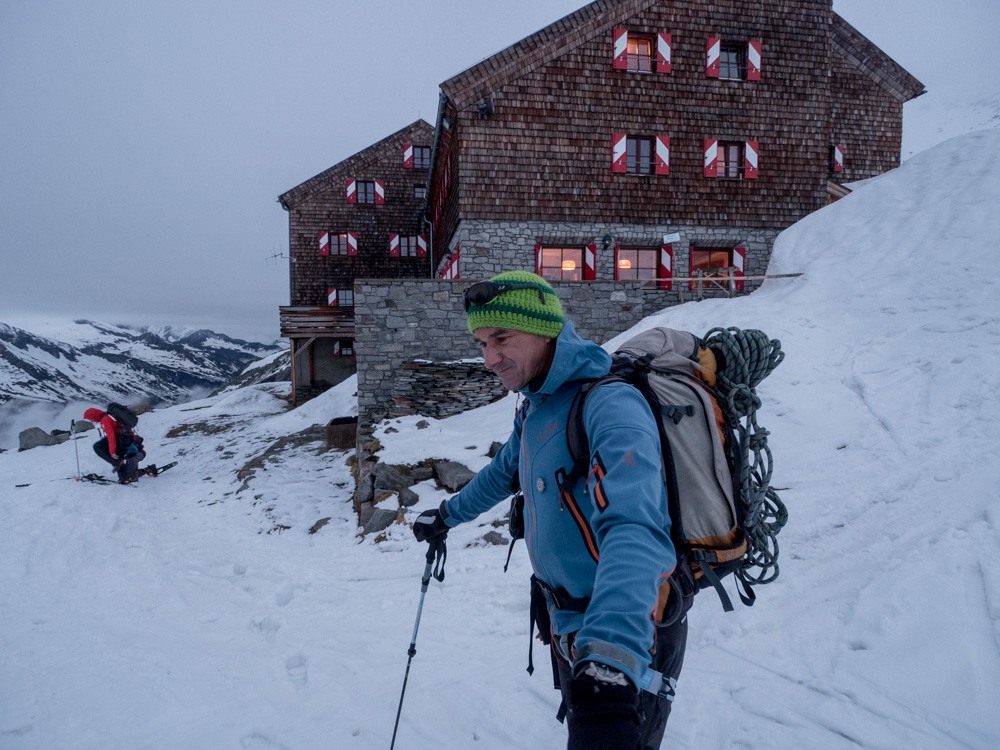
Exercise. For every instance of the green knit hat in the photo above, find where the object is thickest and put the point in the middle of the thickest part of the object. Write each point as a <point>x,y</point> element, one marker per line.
<point>520,309</point>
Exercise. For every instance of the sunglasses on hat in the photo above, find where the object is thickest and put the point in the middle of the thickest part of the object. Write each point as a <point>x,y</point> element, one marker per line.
<point>485,292</point>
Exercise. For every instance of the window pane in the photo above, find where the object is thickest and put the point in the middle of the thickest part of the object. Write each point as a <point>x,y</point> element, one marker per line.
<point>647,259</point>
<point>551,257</point>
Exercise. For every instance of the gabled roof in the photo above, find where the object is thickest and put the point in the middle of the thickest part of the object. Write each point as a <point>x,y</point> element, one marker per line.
<point>544,45</point>
<point>386,148</point>
<point>855,48</point>
<point>538,49</point>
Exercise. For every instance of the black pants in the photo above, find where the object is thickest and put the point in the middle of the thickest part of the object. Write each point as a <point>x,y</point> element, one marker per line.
<point>128,469</point>
<point>668,658</point>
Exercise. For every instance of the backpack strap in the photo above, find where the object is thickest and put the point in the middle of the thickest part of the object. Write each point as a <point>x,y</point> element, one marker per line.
<point>576,433</point>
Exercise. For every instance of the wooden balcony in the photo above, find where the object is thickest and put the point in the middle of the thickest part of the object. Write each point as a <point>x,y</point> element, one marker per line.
<point>316,322</point>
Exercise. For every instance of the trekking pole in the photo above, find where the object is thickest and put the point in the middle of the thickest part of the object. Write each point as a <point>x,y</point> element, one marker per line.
<point>436,551</point>
<point>72,436</point>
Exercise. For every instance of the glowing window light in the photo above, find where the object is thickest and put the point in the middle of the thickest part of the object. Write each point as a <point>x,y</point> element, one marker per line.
<point>569,265</point>
<point>624,263</point>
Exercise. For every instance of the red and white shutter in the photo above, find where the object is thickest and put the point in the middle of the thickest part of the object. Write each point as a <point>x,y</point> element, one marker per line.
<point>619,60</point>
<point>750,153</point>
<point>336,348</point>
<point>590,263</point>
<point>421,245</point>
<point>753,61</point>
<point>740,264</point>
<point>691,283</point>
<point>663,53</point>
<point>711,147</point>
<point>618,249</point>
<point>662,154</point>
<point>407,156</point>
<point>379,192</point>
<point>666,270</point>
<point>713,48</point>
<point>538,258</point>
<point>838,158</point>
<point>324,243</point>
<point>352,191</point>
<point>393,245</point>
<point>456,271</point>
<point>331,297</point>
<point>352,243</point>
<point>618,152</point>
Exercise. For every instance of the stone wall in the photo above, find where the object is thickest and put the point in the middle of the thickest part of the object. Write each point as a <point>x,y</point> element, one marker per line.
<point>491,247</point>
<point>398,322</point>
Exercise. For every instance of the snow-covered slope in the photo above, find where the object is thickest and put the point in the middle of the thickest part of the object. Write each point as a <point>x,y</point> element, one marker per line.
<point>62,363</point>
<point>165,616</point>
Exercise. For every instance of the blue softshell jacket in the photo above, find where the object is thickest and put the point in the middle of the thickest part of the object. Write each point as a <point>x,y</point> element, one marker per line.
<point>609,541</point>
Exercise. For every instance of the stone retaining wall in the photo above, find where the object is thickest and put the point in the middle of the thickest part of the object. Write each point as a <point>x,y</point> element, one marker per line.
<point>400,321</point>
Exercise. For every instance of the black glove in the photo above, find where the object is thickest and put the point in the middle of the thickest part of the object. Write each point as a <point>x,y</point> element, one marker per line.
<point>603,710</point>
<point>430,524</point>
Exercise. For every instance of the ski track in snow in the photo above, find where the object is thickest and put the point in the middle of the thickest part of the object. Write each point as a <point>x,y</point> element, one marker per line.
<point>166,616</point>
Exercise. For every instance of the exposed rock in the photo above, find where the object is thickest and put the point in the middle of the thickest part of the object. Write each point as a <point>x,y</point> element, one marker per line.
<point>423,424</point>
<point>57,433</point>
<point>319,525</point>
<point>421,474</point>
<point>453,475</point>
<point>366,489</point>
<point>365,513</point>
<point>388,479</point>
<point>380,520</point>
<point>408,498</point>
<point>495,538</point>
<point>36,436</point>
<point>82,425</point>
<point>495,447</point>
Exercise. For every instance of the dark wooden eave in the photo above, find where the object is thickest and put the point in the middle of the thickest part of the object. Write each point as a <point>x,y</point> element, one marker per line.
<point>520,58</point>
<point>349,167</point>
<point>855,48</point>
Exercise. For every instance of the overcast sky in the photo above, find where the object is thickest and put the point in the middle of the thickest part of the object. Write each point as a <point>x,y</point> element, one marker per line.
<point>143,144</point>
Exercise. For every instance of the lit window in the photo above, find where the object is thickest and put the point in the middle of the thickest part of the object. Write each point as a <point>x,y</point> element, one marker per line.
<point>712,262</point>
<point>637,263</point>
<point>640,53</point>
<point>562,263</point>
<point>338,244</point>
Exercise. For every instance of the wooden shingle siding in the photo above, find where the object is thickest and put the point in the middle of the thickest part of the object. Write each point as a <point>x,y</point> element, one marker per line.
<point>319,205</point>
<point>544,154</point>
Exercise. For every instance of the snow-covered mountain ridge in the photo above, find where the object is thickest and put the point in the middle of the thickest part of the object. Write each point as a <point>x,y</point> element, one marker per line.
<point>86,361</point>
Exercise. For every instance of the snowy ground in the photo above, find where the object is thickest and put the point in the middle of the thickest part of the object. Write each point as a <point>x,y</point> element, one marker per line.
<point>166,616</point>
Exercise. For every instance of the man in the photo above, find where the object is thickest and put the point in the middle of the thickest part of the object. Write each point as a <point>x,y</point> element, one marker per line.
<point>601,550</point>
<point>120,447</point>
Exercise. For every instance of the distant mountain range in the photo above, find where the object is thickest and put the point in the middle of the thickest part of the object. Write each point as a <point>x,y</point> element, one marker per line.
<point>89,361</point>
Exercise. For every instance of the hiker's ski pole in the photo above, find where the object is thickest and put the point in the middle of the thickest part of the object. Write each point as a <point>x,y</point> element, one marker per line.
<point>436,551</point>
<point>72,436</point>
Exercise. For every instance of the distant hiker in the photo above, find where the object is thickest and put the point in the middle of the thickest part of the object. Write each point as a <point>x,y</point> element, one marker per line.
<point>121,446</point>
<point>599,553</point>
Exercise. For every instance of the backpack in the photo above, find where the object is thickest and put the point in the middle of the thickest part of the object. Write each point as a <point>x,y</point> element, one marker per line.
<point>123,415</point>
<point>724,514</point>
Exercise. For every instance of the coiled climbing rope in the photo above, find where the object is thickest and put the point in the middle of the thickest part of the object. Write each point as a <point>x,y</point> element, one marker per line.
<point>744,359</point>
